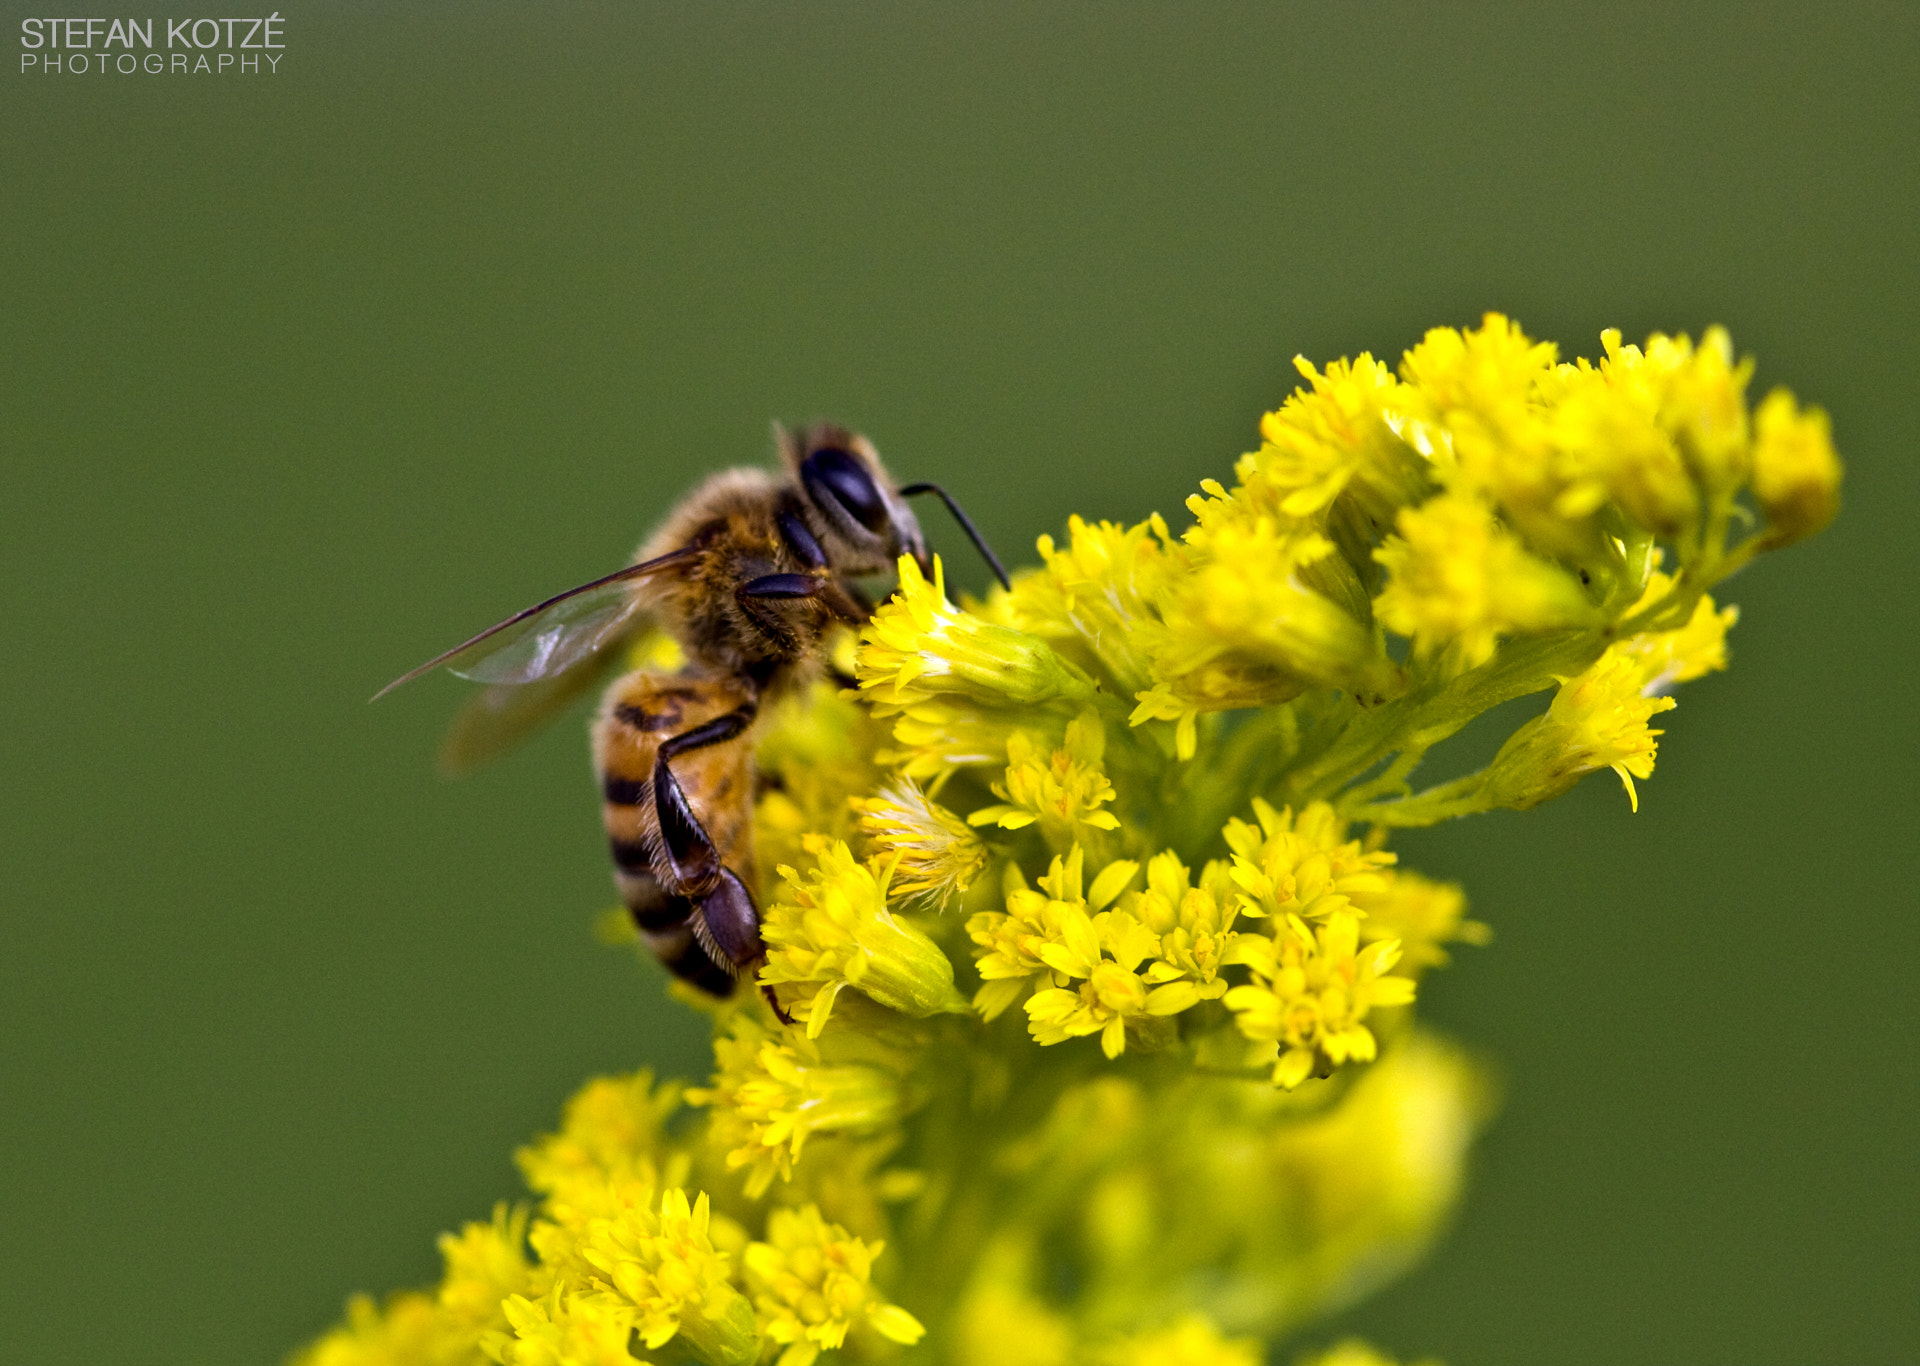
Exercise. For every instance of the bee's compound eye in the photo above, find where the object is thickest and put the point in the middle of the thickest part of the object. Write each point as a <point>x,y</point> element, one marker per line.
<point>838,474</point>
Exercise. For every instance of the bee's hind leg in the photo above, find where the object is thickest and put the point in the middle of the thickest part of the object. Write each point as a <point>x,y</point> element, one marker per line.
<point>696,863</point>
<point>730,923</point>
<point>725,919</point>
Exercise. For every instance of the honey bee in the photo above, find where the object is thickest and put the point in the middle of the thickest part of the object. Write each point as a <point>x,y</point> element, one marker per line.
<point>747,574</point>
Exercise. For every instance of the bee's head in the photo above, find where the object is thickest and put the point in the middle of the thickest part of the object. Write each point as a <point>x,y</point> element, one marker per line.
<point>863,523</point>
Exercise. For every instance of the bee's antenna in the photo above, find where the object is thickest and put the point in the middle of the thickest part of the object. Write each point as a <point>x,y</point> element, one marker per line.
<point>966,525</point>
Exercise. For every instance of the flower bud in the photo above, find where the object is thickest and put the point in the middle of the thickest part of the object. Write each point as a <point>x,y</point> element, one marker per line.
<point>1796,475</point>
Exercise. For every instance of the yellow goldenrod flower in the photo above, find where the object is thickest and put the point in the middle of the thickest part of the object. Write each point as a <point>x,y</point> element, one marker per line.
<point>1422,915</point>
<point>612,1128</point>
<point>1095,596</point>
<point>1183,888</point>
<point>934,854</point>
<point>562,1329</point>
<point>1343,436</point>
<point>812,1283</point>
<point>1608,442</point>
<point>1473,401</point>
<point>1043,934</point>
<point>407,1330</point>
<point>656,1258</point>
<point>485,1264</point>
<point>1062,791</point>
<point>1315,987</point>
<point>1190,1341</point>
<point>1194,925</point>
<point>955,685</point>
<point>832,929</point>
<point>1355,1352</point>
<point>1796,475</point>
<point>1009,961</point>
<point>1304,865</point>
<point>939,736</point>
<point>1597,720</point>
<point>1112,996</point>
<point>919,647</point>
<point>769,1096</point>
<point>1699,397</point>
<point>1484,378</point>
<point>1160,703</point>
<point>1248,624</point>
<point>1458,580</point>
<point>1664,658</point>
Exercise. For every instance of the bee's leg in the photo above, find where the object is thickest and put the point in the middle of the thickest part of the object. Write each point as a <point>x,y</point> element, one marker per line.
<point>728,927</point>
<point>782,586</point>
<point>695,862</point>
<point>670,926</point>
<point>828,591</point>
<point>726,923</point>
<point>755,595</point>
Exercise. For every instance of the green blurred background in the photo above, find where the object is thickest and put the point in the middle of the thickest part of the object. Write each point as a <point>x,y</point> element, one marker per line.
<point>307,376</point>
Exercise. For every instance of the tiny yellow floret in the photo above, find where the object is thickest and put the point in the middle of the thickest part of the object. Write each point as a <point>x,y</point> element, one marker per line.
<point>1796,475</point>
<point>935,855</point>
<point>1596,720</point>
<point>812,1282</point>
<point>1314,988</point>
<point>770,1095</point>
<point>831,929</point>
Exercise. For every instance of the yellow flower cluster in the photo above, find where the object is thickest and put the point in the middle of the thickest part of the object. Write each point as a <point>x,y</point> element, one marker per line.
<point>1288,908</point>
<point>832,929</point>
<point>1355,1352</point>
<point>625,1261</point>
<point>770,1095</point>
<point>1065,789</point>
<point>957,684</point>
<point>1458,579</point>
<point>812,1283</point>
<point>1144,795</point>
<point>1088,955</point>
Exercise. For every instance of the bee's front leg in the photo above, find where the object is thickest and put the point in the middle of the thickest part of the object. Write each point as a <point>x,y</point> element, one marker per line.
<point>840,602</point>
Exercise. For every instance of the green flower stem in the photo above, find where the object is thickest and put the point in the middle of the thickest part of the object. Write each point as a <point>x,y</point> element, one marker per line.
<point>1391,782</point>
<point>1464,796</point>
<point>1421,719</point>
<point>974,1199</point>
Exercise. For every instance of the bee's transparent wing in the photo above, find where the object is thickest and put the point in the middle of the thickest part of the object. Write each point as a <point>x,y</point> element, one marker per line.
<point>501,716</point>
<point>550,637</point>
<point>547,643</point>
